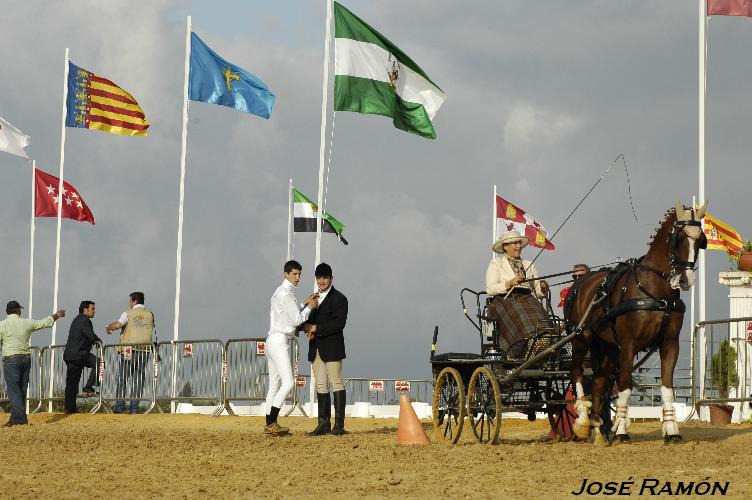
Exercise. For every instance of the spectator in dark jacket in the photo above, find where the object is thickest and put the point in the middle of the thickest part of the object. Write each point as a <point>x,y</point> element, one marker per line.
<point>77,355</point>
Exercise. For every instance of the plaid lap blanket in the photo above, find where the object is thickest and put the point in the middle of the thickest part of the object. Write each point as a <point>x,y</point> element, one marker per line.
<point>517,317</point>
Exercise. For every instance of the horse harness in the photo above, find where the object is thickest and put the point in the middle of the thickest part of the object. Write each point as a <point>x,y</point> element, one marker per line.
<point>608,289</point>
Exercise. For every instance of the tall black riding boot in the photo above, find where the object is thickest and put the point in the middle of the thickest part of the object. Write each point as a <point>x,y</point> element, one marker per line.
<point>325,415</point>
<point>339,413</point>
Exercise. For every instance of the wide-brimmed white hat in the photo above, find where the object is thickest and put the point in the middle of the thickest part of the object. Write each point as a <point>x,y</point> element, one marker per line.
<point>509,237</point>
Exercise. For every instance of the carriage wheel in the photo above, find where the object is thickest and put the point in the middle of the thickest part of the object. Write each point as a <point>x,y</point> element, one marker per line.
<point>560,415</point>
<point>484,405</point>
<point>448,406</point>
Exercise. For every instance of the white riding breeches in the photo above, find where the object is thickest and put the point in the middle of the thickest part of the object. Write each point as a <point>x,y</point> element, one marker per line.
<point>280,371</point>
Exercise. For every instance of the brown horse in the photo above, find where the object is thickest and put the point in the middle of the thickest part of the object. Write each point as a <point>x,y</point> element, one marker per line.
<point>636,307</point>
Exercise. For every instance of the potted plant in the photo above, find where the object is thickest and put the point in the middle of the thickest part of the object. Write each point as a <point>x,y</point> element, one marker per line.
<point>722,377</point>
<point>743,257</point>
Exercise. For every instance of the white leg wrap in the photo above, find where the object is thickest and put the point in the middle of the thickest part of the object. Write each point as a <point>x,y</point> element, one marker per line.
<point>579,390</point>
<point>670,428</point>
<point>582,407</point>
<point>621,423</point>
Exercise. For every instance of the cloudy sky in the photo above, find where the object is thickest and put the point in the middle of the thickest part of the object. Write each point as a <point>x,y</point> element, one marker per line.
<point>542,96</point>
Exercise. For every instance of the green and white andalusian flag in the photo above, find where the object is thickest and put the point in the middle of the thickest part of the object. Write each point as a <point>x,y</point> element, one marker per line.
<point>373,76</point>
<point>305,214</point>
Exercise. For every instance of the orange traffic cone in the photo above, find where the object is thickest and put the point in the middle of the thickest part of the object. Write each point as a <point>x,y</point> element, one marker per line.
<point>410,430</point>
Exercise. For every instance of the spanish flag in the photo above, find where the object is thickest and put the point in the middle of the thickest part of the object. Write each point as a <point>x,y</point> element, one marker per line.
<point>720,235</point>
<point>97,103</point>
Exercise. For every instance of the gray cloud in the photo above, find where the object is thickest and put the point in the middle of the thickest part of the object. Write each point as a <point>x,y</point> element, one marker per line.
<point>541,98</point>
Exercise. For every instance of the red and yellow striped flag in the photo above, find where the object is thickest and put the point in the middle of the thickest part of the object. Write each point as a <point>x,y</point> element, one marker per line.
<point>97,103</point>
<point>720,235</point>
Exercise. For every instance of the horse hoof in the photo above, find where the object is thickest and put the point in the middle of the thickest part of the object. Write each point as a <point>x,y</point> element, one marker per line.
<point>622,439</point>
<point>581,431</point>
<point>673,439</point>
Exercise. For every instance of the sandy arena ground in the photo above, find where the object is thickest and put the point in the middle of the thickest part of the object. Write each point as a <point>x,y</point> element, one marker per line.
<point>186,456</point>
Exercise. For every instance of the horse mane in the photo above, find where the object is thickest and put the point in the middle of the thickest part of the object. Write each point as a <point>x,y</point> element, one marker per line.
<point>664,225</point>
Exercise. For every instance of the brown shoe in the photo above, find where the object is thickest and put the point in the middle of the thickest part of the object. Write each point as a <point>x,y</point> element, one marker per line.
<point>274,429</point>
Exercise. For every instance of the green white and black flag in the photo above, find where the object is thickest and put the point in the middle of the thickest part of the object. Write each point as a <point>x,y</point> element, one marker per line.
<point>305,213</point>
<point>373,76</point>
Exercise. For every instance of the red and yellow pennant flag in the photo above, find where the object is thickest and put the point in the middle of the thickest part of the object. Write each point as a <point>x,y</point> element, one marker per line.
<point>720,235</point>
<point>730,8</point>
<point>97,103</point>
<point>510,216</point>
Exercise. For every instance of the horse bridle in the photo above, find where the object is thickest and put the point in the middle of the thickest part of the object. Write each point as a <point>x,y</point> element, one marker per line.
<point>676,230</point>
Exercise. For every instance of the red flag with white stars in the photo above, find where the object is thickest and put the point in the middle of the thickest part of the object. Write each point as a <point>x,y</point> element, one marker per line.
<point>47,198</point>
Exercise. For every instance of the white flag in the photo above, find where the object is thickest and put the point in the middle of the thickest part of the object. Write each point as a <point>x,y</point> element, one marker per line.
<point>12,140</point>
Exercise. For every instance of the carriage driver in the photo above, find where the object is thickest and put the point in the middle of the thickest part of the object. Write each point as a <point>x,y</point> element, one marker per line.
<point>506,269</point>
<point>515,306</point>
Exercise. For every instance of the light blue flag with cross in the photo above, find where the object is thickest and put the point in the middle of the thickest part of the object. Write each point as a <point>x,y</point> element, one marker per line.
<point>214,80</point>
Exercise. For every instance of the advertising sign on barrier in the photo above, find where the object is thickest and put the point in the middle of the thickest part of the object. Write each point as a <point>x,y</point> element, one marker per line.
<point>376,385</point>
<point>224,371</point>
<point>101,370</point>
<point>299,381</point>
<point>260,348</point>
<point>127,353</point>
<point>156,368</point>
<point>187,350</point>
<point>402,385</point>
<point>749,331</point>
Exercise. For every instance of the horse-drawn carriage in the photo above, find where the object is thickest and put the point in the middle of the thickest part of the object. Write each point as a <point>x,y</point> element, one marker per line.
<point>530,376</point>
<point>611,316</point>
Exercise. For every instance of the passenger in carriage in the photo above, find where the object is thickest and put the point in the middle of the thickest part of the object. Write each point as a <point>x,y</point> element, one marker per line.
<point>578,271</point>
<point>515,306</point>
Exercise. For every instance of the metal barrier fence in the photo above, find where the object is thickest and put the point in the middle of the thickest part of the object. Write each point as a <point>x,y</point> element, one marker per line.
<point>387,391</point>
<point>33,391</point>
<point>727,373</point>
<point>237,370</point>
<point>129,375</point>
<point>47,379</point>
<point>647,383</point>
<point>191,370</point>
<point>246,373</point>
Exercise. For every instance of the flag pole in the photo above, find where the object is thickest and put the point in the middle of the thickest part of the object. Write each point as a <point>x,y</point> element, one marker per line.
<point>702,80</point>
<point>494,221</point>
<point>31,249</point>
<point>31,246</point>
<point>59,220</point>
<point>322,149</point>
<point>692,307</point>
<point>289,221</point>
<point>179,251</point>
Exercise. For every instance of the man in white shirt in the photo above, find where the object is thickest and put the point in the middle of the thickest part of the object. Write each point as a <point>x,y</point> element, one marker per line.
<point>285,318</point>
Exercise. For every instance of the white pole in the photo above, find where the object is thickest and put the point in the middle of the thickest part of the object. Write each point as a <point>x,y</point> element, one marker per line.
<point>703,47</point>
<point>31,246</point>
<point>324,109</point>
<point>692,298</point>
<point>31,249</point>
<point>289,221</point>
<point>59,220</point>
<point>493,221</point>
<point>183,148</point>
<point>322,149</point>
